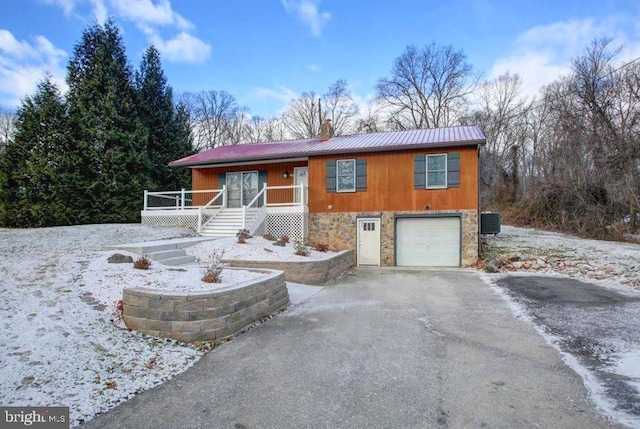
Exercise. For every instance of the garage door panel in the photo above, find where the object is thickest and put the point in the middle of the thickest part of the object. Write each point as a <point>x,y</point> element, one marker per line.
<point>428,242</point>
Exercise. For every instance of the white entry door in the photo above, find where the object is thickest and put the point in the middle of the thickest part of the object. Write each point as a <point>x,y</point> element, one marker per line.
<point>368,242</point>
<point>301,177</point>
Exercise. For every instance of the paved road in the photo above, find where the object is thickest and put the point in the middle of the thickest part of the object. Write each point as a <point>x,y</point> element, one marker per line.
<point>599,326</point>
<point>380,349</point>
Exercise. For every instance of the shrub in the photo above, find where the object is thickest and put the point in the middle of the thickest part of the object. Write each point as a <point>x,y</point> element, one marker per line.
<point>243,235</point>
<point>285,239</point>
<point>321,247</point>
<point>301,249</point>
<point>142,263</point>
<point>269,237</point>
<point>212,267</point>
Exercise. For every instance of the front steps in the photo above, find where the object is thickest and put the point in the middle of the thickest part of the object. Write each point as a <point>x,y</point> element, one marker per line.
<point>165,252</point>
<point>227,223</point>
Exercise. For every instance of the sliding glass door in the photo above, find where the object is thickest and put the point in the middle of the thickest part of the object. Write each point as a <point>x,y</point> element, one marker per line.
<point>242,187</point>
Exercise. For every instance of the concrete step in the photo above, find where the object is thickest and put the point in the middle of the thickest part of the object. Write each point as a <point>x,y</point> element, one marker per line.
<point>180,260</point>
<point>166,254</point>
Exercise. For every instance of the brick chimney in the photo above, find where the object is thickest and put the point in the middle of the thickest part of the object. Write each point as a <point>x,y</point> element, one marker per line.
<point>326,130</point>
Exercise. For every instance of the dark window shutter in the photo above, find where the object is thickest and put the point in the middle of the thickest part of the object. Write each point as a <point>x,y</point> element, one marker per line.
<point>420,172</point>
<point>331,176</point>
<point>222,180</point>
<point>361,174</point>
<point>453,170</point>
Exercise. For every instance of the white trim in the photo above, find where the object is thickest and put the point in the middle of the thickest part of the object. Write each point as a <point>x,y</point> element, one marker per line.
<point>258,162</point>
<point>426,171</point>
<point>354,176</point>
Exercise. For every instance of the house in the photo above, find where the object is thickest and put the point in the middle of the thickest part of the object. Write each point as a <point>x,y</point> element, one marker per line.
<point>405,198</point>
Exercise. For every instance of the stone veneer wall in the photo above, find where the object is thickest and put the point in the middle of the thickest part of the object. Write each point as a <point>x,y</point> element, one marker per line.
<point>205,316</point>
<point>312,272</point>
<point>338,231</point>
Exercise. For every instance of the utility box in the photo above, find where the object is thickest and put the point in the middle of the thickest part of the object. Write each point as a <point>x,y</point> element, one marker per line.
<point>489,223</point>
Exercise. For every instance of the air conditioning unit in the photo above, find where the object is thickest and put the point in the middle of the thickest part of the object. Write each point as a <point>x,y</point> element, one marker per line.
<point>489,223</point>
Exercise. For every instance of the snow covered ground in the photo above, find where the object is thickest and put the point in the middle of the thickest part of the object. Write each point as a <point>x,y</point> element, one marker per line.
<point>255,249</point>
<point>547,252</point>
<point>58,345</point>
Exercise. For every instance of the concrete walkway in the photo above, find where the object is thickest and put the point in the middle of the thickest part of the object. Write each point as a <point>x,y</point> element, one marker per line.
<point>378,349</point>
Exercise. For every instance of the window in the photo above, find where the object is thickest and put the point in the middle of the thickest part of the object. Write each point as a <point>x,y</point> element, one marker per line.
<point>346,175</point>
<point>436,171</point>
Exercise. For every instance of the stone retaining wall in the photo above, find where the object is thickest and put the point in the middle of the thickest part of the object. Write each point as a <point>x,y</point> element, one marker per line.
<point>205,316</point>
<point>312,272</point>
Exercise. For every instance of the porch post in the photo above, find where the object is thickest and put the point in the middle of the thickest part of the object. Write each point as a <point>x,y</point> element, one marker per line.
<point>244,217</point>
<point>182,199</point>
<point>145,204</point>
<point>264,187</point>
<point>224,196</point>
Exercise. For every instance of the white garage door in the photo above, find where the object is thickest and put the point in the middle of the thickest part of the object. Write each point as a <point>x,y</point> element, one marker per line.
<point>428,242</point>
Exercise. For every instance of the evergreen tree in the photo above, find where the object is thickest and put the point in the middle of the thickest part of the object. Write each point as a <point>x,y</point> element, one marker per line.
<point>32,162</point>
<point>105,131</point>
<point>167,129</point>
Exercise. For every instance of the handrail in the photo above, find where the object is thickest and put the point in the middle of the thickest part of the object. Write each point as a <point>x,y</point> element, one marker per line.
<point>201,209</point>
<point>263,192</point>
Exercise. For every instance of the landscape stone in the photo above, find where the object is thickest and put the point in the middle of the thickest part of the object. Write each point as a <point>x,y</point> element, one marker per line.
<point>118,258</point>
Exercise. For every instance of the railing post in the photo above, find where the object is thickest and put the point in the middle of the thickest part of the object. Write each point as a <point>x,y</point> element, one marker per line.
<point>244,217</point>
<point>224,196</point>
<point>199,219</point>
<point>302,199</point>
<point>182,199</point>
<point>145,204</point>
<point>264,188</point>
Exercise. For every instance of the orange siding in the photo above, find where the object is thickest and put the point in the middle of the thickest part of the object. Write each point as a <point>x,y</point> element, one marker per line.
<point>390,184</point>
<point>207,178</point>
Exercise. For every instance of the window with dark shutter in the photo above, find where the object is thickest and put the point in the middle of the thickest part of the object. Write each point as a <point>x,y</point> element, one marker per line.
<point>331,176</point>
<point>453,170</point>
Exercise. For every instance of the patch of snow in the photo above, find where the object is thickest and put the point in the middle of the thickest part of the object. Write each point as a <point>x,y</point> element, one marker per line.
<point>58,345</point>
<point>627,364</point>
<point>609,261</point>
<point>255,249</point>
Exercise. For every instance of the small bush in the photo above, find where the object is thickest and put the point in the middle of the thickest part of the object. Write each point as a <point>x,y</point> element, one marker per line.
<point>301,249</point>
<point>269,237</point>
<point>142,263</point>
<point>285,239</point>
<point>243,235</point>
<point>321,247</point>
<point>212,267</point>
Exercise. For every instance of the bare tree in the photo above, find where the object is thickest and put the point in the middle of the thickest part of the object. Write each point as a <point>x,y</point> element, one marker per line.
<point>428,87</point>
<point>7,126</point>
<point>216,118</point>
<point>302,117</point>
<point>339,107</point>
<point>259,129</point>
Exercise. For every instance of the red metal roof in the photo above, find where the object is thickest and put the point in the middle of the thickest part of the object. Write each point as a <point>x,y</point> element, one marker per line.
<point>357,143</point>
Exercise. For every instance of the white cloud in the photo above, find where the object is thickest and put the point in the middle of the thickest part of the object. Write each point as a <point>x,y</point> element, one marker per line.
<point>282,94</point>
<point>99,11</point>
<point>148,12</point>
<point>67,5</point>
<point>542,54</point>
<point>184,48</point>
<point>24,64</point>
<point>308,12</point>
<point>312,67</point>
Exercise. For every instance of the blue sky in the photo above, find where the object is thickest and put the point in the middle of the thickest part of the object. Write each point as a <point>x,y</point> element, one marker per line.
<point>266,51</point>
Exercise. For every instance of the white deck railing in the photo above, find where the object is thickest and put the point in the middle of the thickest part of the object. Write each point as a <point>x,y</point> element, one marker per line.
<point>276,199</point>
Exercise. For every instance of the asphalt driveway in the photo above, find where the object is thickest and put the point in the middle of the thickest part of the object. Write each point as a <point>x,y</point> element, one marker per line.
<point>382,348</point>
<point>599,326</point>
